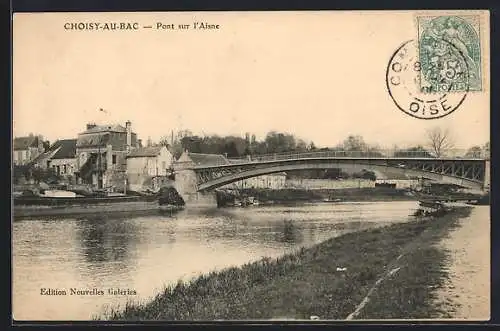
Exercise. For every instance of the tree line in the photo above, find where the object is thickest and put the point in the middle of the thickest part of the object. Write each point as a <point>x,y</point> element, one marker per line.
<point>273,142</point>
<point>436,143</point>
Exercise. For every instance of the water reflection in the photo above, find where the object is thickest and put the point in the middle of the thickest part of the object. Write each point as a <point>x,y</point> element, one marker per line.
<point>289,232</point>
<point>106,240</point>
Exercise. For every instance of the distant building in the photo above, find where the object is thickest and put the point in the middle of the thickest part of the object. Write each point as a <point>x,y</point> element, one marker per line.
<point>61,157</point>
<point>148,167</point>
<point>101,155</point>
<point>329,184</point>
<point>273,181</point>
<point>402,182</point>
<point>26,149</point>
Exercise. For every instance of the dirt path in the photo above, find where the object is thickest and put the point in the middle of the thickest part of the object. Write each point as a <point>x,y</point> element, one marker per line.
<point>466,294</point>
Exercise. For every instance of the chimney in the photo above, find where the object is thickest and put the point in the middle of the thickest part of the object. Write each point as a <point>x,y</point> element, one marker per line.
<point>128,126</point>
<point>90,126</point>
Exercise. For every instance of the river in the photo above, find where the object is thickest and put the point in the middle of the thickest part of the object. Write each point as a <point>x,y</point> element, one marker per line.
<point>142,254</point>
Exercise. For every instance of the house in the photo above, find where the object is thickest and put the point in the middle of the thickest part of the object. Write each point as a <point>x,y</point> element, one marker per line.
<point>101,152</point>
<point>148,167</point>
<point>61,157</point>
<point>26,149</point>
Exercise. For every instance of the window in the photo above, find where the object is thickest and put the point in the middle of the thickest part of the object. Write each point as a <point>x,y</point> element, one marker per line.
<point>114,159</point>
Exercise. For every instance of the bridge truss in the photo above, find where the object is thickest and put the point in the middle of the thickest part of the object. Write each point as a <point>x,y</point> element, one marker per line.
<point>465,172</point>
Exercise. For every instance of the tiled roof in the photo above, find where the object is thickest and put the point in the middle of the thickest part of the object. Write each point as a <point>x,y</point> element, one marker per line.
<point>208,159</point>
<point>106,128</point>
<point>145,152</point>
<point>89,140</point>
<point>23,143</point>
<point>66,149</point>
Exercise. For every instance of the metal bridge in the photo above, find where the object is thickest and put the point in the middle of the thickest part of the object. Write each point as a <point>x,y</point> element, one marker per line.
<point>454,168</point>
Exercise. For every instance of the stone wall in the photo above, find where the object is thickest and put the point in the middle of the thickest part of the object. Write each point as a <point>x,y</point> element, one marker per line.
<point>116,180</point>
<point>319,184</point>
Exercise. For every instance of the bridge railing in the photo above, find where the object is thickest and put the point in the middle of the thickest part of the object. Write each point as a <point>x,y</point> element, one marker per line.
<point>386,153</point>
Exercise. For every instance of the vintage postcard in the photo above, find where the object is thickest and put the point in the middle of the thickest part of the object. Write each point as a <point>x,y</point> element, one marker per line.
<point>251,166</point>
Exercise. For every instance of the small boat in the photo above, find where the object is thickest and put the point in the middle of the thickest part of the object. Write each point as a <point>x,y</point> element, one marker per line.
<point>430,208</point>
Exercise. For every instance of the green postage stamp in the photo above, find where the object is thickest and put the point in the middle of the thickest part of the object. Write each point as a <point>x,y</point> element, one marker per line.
<point>449,51</point>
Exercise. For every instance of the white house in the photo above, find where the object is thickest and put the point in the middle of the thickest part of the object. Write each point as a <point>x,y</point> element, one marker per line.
<point>148,167</point>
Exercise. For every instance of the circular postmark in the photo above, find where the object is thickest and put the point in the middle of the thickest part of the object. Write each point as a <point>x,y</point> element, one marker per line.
<point>431,91</point>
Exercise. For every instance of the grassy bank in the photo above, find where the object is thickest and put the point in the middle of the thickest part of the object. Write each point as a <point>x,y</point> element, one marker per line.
<point>390,272</point>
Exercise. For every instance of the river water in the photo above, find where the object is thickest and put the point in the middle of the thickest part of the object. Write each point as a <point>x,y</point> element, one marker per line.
<point>142,254</point>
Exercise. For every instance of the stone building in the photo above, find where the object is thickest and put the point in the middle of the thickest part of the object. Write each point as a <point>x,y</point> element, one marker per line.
<point>148,168</point>
<point>61,157</point>
<point>26,149</point>
<point>101,152</point>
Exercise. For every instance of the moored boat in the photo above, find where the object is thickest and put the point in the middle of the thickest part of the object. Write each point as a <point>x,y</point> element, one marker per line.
<point>47,205</point>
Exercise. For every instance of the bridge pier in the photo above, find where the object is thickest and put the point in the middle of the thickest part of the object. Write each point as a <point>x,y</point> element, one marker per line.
<point>487,180</point>
<point>186,185</point>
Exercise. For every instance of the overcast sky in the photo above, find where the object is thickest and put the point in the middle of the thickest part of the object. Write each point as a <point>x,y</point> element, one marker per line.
<point>319,75</point>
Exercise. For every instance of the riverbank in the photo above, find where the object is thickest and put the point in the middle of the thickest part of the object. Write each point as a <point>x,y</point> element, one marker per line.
<point>347,194</point>
<point>287,196</point>
<point>384,273</point>
<point>466,293</point>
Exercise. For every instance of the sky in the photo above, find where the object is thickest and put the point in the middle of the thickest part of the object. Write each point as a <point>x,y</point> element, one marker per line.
<point>318,75</point>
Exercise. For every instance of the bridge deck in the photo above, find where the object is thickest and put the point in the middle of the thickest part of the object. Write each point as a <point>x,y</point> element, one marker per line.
<point>463,171</point>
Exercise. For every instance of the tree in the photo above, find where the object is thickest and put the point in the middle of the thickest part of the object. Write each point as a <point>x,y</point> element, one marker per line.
<point>164,141</point>
<point>46,145</point>
<point>192,144</point>
<point>278,142</point>
<point>301,146</point>
<point>486,150</point>
<point>311,147</point>
<point>230,149</point>
<point>440,141</point>
<point>474,152</point>
<point>354,143</point>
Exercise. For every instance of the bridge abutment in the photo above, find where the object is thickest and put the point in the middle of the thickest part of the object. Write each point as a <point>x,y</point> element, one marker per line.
<point>186,185</point>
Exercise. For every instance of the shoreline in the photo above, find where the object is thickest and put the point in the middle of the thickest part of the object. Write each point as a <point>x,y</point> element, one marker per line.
<point>389,272</point>
<point>22,212</point>
<point>127,208</point>
<point>466,294</point>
